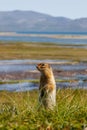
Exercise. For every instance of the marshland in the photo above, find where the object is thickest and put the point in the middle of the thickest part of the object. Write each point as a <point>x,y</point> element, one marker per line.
<point>19,81</point>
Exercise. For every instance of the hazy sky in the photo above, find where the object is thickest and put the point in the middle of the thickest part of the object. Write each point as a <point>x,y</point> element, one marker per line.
<point>66,8</point>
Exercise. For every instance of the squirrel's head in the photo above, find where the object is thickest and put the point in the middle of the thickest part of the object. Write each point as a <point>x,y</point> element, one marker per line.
<point>43,67</point>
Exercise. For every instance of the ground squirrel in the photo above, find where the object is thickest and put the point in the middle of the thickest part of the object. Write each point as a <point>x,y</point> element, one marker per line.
<point>47,88</point>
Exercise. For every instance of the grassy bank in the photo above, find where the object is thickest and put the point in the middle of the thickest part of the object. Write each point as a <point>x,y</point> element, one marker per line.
<point>21,111</point>
<point>33,81</point>
<point>40,51</point>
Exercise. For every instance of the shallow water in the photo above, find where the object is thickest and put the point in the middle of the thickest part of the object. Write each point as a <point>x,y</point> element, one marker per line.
<point>19,87</point>
<point>26,65</point>
<point>75,77</point>
<point>66,67</point>
<point>32,86</point>
<point>29,65</point>
<point>76,85</point>
<point>31,61</point>
<point>43,39</point>
<point>23,65</point>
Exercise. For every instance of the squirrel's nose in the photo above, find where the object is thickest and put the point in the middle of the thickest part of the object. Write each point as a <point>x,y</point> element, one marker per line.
<point>36,66</point>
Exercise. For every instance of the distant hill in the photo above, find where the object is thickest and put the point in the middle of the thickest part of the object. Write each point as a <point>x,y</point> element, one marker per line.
<point>33,21</point>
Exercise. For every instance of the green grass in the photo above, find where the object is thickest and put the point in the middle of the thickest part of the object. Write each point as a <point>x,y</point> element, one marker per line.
<point>19,81</point>
<point>21,111</point>
<point>40,51</point>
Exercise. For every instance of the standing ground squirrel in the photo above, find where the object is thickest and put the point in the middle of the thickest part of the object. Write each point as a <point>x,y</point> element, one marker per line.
<point>47,88</point>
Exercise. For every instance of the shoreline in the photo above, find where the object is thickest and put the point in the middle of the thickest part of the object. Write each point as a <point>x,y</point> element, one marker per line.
<point>55,36</point>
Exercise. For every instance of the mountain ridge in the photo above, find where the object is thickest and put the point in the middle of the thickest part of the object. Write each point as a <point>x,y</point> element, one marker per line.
<point>11,21</point>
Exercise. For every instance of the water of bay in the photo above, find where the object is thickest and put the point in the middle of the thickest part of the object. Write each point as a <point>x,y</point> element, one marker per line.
<point>34,37</point>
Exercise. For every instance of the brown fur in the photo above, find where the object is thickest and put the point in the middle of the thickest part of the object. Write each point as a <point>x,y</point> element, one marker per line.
<point>47,88</point>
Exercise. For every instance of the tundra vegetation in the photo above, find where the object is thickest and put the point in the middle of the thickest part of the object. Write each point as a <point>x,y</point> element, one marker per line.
<point>21,111</point>
<point>26,50</point>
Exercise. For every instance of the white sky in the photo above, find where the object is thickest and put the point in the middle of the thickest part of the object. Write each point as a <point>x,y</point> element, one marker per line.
<point>67,8</point>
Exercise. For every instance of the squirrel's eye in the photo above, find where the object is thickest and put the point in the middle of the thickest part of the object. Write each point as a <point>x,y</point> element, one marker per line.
<point>42,64</point>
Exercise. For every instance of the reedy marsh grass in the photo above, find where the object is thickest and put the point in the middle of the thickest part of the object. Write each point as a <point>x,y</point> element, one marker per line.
<point>24,50</point>
<point>22,111</point>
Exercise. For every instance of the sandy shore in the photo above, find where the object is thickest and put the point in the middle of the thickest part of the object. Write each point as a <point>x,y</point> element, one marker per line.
<point>57,36</point>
